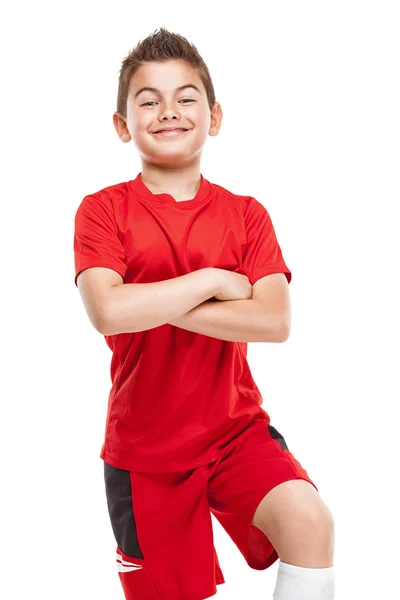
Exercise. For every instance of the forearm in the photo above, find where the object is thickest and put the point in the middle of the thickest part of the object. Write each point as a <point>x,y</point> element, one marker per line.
<point>233,321</point>
<point>133,307</point>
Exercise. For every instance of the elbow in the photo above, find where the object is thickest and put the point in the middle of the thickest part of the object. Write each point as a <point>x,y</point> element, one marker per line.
<point>284,336</point>
<point>103,323</point>
<point>283,331</point>
<point>103,328</point>
<point>277,334</point>
<point>107,326</point>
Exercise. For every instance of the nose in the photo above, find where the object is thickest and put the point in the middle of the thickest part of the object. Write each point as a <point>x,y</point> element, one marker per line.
<point>169,112</point>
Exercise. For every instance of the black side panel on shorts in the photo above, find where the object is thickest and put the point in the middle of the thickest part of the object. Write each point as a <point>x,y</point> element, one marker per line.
<point>120,508</point>
<point>277,436</point>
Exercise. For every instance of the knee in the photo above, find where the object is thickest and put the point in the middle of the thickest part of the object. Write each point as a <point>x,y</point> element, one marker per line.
<point>309,540</point>
<point>317,529</point>
<point>305,533</point>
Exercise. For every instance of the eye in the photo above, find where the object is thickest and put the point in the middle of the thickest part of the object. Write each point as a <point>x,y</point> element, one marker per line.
<point>152,102</point>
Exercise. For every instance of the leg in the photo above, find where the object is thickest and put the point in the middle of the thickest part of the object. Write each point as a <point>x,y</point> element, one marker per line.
<point>298,524</point>
<point>163,529</point>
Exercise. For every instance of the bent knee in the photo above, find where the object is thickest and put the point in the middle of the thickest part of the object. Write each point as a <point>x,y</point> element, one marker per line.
<point>317,517</point>
<point>317,524</point>
<point>310,523</point>
<point>307,539</point>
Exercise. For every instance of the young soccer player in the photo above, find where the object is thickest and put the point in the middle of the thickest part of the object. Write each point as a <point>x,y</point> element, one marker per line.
<point>179,274</point>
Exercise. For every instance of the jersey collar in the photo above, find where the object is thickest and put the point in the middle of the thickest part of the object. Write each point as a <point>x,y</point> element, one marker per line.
<point>204,193</point>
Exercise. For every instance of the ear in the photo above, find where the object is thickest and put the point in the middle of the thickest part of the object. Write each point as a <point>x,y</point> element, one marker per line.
<point>216,119</point>
<point>121,128</point>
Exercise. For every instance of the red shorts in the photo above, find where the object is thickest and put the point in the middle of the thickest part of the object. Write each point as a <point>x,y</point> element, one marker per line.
<point>162,521</point>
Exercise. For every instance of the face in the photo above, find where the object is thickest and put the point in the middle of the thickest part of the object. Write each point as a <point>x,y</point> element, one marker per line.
<point>149,111</point>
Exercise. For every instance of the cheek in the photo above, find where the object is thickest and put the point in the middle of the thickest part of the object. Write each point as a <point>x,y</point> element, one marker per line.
<point>204,126</point>
<point>142,125</point>
<point>197,115</point>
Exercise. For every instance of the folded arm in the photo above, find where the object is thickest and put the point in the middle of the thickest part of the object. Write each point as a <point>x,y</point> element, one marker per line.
<point>263,318</point>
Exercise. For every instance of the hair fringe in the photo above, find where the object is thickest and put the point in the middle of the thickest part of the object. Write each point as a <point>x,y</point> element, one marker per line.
<point>161,46</point>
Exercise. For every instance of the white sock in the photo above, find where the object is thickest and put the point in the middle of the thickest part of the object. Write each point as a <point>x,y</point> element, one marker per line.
<point>300,583</point>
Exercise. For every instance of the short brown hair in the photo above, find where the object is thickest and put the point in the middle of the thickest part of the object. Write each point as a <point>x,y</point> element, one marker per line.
<point>161,46</point>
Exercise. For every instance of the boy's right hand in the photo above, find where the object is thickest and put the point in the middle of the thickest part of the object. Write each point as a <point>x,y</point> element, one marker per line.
<point>234,286</point>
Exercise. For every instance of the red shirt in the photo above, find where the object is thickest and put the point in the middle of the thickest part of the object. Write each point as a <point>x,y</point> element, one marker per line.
<point>177,397</point>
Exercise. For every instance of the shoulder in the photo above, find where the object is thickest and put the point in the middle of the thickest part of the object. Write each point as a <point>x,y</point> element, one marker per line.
<point>248,205</point>
<point>232,197</point>
<point>108,198</point>
<point>111,192</point>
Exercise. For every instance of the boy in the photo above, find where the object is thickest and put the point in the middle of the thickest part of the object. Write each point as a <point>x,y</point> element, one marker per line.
<point>179,274</point>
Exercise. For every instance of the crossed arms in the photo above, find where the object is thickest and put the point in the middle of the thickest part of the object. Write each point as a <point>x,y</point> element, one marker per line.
<point>188,302</point>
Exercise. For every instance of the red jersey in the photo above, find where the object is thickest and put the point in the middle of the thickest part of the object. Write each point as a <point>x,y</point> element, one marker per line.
<point>177,397</point>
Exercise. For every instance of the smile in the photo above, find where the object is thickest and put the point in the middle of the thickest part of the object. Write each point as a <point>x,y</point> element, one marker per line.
<point>172,133</point>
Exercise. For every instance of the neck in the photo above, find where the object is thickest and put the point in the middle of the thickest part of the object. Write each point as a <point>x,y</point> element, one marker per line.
<point>181,183</point>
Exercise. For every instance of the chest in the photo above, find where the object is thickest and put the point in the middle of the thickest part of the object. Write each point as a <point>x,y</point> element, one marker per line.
<point>163,242</point>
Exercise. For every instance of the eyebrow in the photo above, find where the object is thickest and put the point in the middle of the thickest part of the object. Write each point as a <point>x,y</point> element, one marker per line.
<point>153,89</point>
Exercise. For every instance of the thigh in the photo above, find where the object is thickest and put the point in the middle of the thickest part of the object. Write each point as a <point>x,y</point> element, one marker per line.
<point>163,529</point>
<point>254,463</point>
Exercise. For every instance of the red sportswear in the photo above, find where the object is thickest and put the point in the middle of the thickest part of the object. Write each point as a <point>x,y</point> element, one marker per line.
<point>177,397</point>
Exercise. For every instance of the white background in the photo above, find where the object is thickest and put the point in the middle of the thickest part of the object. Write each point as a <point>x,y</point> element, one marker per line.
<point>310,96</point>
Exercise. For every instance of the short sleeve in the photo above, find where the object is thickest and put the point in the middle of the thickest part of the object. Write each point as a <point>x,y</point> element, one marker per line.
<point>96,241</point>
<point>262,254</point>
